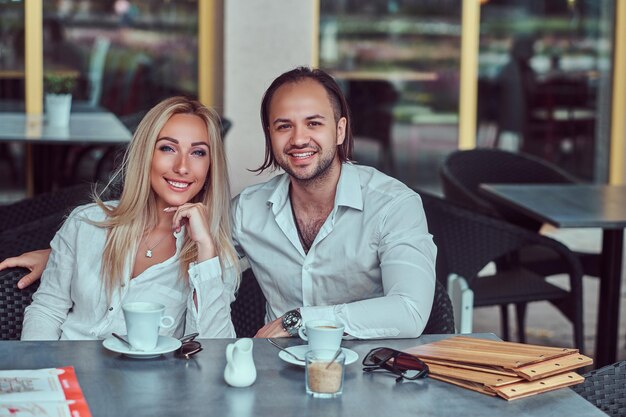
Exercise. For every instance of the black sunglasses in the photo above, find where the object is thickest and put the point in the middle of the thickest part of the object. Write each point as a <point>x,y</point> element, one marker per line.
<point>189,346</point>
<point>402,364</point>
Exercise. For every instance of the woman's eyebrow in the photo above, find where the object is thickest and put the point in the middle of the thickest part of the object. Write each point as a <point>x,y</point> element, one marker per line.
<point>177,142</point>
<point>168,139</point>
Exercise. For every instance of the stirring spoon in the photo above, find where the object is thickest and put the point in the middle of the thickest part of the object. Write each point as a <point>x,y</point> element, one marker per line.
<point>126,342</point>
<point>334,358</point>
<point>285,350</point>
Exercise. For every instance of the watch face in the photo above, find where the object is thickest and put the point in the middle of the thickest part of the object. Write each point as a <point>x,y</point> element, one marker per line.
<point>291,321</point>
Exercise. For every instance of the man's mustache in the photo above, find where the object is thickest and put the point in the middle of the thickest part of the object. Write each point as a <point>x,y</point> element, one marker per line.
<point>300,147</point>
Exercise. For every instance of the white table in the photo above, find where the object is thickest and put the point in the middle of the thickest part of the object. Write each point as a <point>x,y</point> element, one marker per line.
<point>94,128</point>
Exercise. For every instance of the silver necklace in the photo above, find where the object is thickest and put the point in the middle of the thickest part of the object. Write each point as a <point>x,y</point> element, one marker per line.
<point>149,251</point>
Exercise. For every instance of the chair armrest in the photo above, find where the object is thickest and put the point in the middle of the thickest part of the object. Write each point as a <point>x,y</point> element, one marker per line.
<point>441,319</point>
<point>30,236</point>
<point>31,209</point>
<point>467,241</point>
<point>13,301</point>
<point>606,388</point>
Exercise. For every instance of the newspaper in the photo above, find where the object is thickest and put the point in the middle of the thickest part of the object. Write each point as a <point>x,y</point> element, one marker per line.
<point>52,392</point>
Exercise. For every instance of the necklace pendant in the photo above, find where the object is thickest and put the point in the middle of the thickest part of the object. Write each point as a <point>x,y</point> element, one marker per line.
<point>148,253</point>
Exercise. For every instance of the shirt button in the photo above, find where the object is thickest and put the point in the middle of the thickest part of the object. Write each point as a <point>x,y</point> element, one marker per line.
<point>110,308</point>
<point>123,285</point>
<point>307,267</point>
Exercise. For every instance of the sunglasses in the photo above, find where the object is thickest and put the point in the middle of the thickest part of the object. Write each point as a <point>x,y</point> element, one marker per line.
<point>189,346</point>
<point>402,364</point>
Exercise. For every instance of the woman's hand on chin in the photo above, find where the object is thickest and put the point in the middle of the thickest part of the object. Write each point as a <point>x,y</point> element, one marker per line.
<point>195,217</point>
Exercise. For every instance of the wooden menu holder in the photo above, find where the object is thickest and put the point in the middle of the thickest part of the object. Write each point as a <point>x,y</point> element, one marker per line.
<point>509,370</point>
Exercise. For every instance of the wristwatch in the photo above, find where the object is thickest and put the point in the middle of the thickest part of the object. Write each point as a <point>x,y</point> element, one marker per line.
<point>292,320</point>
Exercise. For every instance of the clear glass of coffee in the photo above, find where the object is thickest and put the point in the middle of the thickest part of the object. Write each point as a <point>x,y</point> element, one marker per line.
<point>324,373</point>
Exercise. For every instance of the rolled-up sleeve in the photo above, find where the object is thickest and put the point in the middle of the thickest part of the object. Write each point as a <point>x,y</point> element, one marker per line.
<point>214,295</point>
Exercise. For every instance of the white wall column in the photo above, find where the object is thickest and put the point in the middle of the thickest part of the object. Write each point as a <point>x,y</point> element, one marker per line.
<point>262,39</point>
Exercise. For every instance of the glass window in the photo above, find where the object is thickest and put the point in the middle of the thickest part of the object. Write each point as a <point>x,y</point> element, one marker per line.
<point>126,55</point>
<point>12,92</point>
<point>398,62</point>
<point>11,56</point>
<point>544,81</point>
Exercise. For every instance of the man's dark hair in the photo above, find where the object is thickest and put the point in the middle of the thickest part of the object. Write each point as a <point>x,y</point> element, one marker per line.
<point>337,100</point>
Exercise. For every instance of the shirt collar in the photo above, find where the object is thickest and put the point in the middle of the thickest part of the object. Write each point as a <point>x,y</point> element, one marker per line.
<point>278,198</point>
<point>348,194</point>
<point>349,191</point>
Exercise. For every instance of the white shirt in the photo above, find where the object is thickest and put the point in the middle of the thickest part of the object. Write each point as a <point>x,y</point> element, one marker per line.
<point>371,266</point>
<point>71,301</point>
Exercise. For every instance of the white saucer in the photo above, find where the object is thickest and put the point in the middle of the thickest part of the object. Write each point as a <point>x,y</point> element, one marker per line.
<point>166,344</point>
<point>301,350</point>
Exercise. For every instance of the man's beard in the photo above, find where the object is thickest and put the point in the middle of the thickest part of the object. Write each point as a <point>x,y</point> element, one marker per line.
<point>321,171</point>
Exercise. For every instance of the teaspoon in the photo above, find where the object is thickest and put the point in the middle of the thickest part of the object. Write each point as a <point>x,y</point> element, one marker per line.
<point>285,350</point>
<point>118,337</point>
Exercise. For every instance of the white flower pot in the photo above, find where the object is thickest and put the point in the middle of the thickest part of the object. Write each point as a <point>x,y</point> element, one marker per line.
<point>58,107</point>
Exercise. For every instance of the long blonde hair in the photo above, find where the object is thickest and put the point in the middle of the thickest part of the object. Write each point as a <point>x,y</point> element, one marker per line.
<point>136,211</point>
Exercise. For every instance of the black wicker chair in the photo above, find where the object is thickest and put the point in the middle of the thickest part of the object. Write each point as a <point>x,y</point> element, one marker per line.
<point>31,236</point>
<point>441,320</point>
<point>462,173</point>
<point>13,302</point>
<point>58,203</point>
<point>606,389</point>
<point>467,241</point>
<point>248,309</point>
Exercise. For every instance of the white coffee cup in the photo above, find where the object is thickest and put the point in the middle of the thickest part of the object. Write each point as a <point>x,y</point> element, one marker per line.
<point>322,334</point>
<point>143,321</point>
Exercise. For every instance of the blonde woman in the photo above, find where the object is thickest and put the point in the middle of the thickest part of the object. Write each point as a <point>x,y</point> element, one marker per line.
<point>166,240</point>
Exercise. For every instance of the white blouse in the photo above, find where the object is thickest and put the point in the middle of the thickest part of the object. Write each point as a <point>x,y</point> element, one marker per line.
<point>71,301</point>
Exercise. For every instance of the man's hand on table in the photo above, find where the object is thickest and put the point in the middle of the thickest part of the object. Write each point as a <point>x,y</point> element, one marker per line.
<point>272,329</point>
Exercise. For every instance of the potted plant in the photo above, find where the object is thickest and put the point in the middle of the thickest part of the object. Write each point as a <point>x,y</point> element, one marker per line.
<point>59,88</point>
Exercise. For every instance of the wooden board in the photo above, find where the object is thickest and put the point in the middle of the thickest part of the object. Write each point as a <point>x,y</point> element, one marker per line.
<point>483,368</point>
<point>483,378</point>
<point>553,366</point>
<point>528,388</point>
<point>507,355</point>
<point>516,390</point>
<point>465,384</point>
